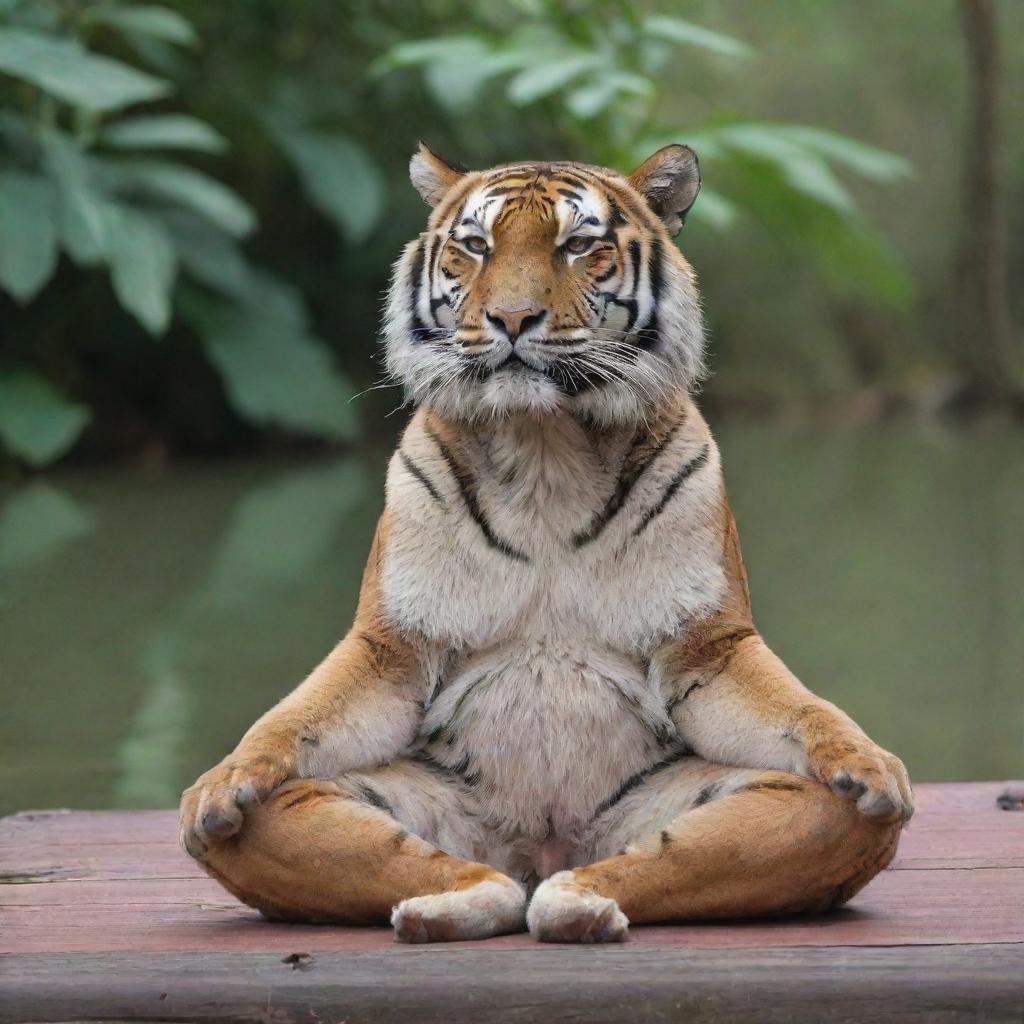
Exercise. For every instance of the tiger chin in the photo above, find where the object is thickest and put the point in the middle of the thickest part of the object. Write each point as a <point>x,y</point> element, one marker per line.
<point>553,710</point>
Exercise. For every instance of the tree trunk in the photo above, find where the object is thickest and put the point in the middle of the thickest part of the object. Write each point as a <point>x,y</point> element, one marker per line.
<point>984,347</point>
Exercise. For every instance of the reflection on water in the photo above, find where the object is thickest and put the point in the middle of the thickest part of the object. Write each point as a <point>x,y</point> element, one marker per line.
<point>146,620</point>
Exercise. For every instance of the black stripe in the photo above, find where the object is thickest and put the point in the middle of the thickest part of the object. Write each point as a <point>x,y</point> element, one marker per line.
<point>640,777</point>
<point>468,491</point>
<point>655,275</point>
<point>677,481</point>
<point>651,334</point>
<point>426,283</point>
<point>420,330</point>
<point>459,771</point>
<point>571,178</point>
<point>631,305</point>
<point>372,797</point>
<point>677,700</point>
<point>422,477</point>
<point>632,469</point>
<point>707,794</point>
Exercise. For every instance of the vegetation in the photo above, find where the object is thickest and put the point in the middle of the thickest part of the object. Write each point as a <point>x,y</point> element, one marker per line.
<point>85,176</point>
<point>192,197</point>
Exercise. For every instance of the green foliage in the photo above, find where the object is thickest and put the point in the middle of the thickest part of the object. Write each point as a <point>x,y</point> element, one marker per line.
<point>28,241</point>
<point>65,70</point>
<point>601,70</point>
<point>36,423</point>
<point>192,227</point>
<point>82,173</point>
<point>164,131</point>
<point>340,179</point>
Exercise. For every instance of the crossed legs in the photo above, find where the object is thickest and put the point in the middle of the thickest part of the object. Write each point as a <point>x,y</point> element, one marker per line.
<point>694,840</point>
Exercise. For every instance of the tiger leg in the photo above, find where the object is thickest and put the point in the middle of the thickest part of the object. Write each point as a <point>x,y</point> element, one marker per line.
<point>697,840</point>
<point>390,843</point>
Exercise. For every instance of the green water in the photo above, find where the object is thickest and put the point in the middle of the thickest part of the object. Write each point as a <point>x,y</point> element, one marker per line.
<point>146,618</point>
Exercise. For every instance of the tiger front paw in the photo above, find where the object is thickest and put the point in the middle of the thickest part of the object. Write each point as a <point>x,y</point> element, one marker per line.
<point>857,769</point>
<point>212,808</point>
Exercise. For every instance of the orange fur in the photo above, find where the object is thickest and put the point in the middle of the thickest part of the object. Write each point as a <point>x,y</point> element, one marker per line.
<point>753,795</point>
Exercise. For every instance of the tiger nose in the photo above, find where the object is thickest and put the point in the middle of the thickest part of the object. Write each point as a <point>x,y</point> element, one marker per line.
<point>515,319</point>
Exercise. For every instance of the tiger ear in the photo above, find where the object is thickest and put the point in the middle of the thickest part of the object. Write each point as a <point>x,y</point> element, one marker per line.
<point>432,176</point>
<point>669,181</point>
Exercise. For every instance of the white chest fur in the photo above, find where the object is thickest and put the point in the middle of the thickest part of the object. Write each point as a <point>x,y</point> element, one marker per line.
<point>544,696</point>
<point>537,487</point>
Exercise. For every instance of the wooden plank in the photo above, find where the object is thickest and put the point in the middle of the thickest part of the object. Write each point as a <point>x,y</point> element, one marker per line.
<point>927,906</point>
<point>617,985</point>
<point>116,881</point>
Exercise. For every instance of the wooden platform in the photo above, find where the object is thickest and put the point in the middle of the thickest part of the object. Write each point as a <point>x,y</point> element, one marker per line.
<point>103,918</point>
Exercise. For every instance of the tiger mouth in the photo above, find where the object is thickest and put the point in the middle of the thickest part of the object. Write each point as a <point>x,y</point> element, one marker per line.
<point>515,362</point>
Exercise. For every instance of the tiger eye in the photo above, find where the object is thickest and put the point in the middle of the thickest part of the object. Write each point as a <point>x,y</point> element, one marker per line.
<point>476,244</point>
<point>578,244</point>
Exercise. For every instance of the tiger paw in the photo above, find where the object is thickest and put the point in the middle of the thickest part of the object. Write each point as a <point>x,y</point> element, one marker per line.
<point>563,911</point>
<point>213,808</point>
<point>861,771</point>
<point>482,910</point>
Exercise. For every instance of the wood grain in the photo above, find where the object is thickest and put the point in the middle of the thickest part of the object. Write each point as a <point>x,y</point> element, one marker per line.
<point>622,985</point>
<point>101,915</point>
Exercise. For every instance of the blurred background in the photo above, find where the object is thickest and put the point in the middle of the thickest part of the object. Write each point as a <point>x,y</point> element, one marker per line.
<point>199,206</point>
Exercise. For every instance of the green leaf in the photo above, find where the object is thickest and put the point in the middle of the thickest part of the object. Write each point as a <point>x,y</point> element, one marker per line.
<point>153,21</point>
<point>28,233</point>
<point>36,423</point>
<point>455,67</point>
<point>814,178</point>
<point>36,522</point>
<point>868,161</point>
<point>143,266</point>
<point>215,260</point>
<point>544,78</point>
<point>274,373</point>
<point>189,188</point>
<point>82,218</point>
<point>207,254</point>
<point>854,259</point>
<point>267,296</point>
<point>165,131</point>
<point>801,169</point>
<point>456,81</point>
<point>423,51</point>
<point>676,30</point>
<point>65,70</point>
<point>339,178</point>
<point>590,99</point>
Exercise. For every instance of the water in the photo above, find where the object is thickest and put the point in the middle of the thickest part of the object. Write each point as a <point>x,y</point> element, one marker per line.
<point>147,618</point>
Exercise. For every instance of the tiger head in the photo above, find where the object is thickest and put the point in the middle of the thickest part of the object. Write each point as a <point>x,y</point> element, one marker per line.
<point>539,287</point>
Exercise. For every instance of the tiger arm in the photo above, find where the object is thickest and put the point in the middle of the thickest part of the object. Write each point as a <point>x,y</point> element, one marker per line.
<point>734,702</point>
<point>359,707</point>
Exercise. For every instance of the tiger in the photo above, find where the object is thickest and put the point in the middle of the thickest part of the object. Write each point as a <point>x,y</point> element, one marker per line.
<point>553,712</point>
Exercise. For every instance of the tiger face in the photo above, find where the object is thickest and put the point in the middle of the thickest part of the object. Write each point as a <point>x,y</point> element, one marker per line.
<point>539,287</point>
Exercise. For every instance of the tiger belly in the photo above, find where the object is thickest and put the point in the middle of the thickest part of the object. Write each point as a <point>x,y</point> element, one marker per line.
<point>543,733</point>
